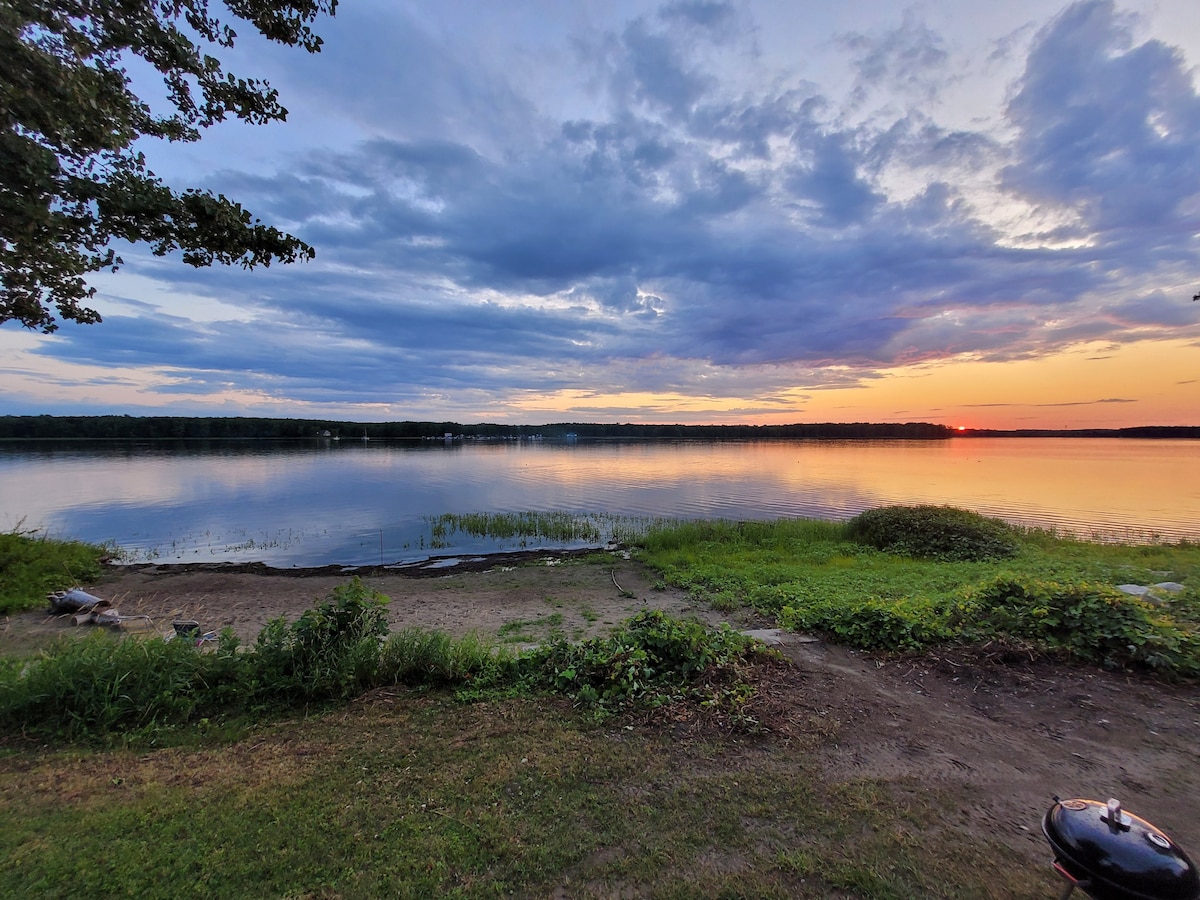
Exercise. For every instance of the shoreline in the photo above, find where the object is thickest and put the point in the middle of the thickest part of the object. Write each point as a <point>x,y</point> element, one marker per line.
<point>429,567</point>
<point>516,598</point>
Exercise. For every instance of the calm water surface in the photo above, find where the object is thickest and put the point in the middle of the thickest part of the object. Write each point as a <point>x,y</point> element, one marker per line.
<point>362,503</point>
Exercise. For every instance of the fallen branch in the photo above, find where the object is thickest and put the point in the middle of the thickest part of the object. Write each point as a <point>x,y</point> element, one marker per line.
<point>620,590</point>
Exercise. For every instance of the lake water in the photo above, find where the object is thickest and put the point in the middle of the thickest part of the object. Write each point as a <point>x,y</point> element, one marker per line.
<point>363,503</point>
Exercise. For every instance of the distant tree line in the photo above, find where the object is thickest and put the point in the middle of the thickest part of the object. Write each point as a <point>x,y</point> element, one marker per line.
<point>154,428</point>
<point>828,430</point>
<point>1137,431</point>
<point>246,428</point>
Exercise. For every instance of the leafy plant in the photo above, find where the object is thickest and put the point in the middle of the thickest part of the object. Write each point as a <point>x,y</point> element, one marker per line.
<point>1085,620</point>
<point>872,623</point>
<point>331,651</point>
<point>933,532</point>
<point>651,660</point>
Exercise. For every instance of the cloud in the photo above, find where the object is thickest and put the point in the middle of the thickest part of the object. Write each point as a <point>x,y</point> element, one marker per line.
<point>1052,405</point>
<point>911,59</point>
<point>682,231</point>
<point>1107,132</point>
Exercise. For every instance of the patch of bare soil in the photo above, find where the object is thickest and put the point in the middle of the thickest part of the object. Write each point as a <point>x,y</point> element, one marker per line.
<point>996,741</point>
<point>520,597</point>
<point>991,741</point>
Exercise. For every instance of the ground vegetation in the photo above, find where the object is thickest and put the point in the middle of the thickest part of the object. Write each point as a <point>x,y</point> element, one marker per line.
<point>663,757</point>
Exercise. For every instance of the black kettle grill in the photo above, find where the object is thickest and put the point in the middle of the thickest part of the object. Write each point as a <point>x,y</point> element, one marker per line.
<point>1112,855</point>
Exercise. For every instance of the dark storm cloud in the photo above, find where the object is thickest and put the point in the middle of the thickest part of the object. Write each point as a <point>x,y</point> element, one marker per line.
<point>685,222</point>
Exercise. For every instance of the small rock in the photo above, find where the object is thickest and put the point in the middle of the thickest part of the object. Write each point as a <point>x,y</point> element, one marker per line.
<point>1136,590</point>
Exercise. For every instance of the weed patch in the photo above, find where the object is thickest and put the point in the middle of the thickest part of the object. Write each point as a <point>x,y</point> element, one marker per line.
<point>32,565</point>
<point>105,687</point>
<point>652,661</point>
<point>871,623</point>
<point>420,658</point>
<point>1088,621</point>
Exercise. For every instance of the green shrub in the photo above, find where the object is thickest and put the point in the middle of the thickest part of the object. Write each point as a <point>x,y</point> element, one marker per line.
<point>33,565</point>
<point>653,659</point>
<point>332,651</point>
<point>871,623</point>
<point>1089,621</point>
<point>933,532</point>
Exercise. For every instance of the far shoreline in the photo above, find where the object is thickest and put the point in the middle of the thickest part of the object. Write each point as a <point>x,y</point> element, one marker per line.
<point>241,428</point>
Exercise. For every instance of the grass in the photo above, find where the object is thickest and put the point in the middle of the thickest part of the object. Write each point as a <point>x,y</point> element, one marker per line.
<point>418,796</point>
<point>525,528</point>
<point>33,564</point>
<point>812,575</point>
<point>330,761</point>
<point>531,631</point>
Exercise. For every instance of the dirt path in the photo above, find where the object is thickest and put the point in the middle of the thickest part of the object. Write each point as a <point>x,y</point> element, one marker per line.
<point>998,742</point>
<point>993,742</point>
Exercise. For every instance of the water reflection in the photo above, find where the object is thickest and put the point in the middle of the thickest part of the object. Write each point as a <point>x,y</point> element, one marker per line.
<point>310,503</point>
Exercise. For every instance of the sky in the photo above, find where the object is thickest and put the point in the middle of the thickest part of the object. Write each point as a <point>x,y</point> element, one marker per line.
<point>693,212</point>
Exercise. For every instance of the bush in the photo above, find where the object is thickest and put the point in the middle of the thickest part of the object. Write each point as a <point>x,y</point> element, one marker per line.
<point>1094,622</point>
<point>331,652</point>
<point>653,659</point>
<point>934,532</point>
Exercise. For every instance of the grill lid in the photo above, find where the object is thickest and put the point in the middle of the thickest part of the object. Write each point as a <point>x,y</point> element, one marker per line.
<point>1122,854</point>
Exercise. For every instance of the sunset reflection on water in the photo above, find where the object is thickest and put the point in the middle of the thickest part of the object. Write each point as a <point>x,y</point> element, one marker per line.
<point>309,504</point>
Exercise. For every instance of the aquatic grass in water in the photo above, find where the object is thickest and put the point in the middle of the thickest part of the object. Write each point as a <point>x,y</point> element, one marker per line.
<point>234,544</point>
<point>539,528</point>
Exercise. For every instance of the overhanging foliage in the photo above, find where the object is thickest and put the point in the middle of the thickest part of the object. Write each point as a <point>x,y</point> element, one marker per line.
<point>71,181</point>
